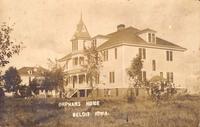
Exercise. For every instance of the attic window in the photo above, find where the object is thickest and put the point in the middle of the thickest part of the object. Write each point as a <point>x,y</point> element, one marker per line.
<point>151,37</point>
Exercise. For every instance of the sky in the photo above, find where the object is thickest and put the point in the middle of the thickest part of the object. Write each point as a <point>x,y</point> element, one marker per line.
<point>46,26</point>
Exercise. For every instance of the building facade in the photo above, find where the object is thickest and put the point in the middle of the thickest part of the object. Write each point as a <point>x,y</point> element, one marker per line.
<point>160,58</point>
<point>27,74</point>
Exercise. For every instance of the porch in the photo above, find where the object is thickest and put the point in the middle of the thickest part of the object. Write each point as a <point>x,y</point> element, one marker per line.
<point>77,81</point>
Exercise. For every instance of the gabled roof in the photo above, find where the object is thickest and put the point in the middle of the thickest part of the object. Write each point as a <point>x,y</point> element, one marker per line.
<point>68,56</point>
<point>81,31</point>
<point>146,30</point>
<point>33,71</point>
<point>130,36</point>
<point>100,36</point>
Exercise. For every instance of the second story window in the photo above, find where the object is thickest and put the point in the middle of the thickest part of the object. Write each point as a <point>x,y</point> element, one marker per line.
<point>153,38</point>
<point>81,60</point>
<point>74,45</point>
<point>66,65</point>
<point>169,55</point>
<point>105,55</point>
<point>149,37</point>
<point>75,61</point>
<point>153,65</point>
<point>94,43</point>
<point>142,53</point>
<point>112,77</point>
<point>115,53</point>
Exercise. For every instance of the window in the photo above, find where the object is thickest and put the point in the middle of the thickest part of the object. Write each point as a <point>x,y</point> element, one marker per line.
<point>97,79</point>
<point>112,77</point>
<point>161,74</point>
<point>115,53</point>
<point>169,55</point>
<point>144,75</point>
<point>142,53</point>
<point>81,60</point>
<point>66,65</point>
<point>74,45</point>
<point>117,92</point>
<point>94,42</point>
<point>105,55</point>
<point>170,76</point>
<point>84,44</point>
<point>75,61</point>
<point>151,37</point>
<point>81,79</point>
<point>153,65</point>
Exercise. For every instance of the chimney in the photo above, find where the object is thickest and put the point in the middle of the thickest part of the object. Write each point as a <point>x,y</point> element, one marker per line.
<point>120,27</point>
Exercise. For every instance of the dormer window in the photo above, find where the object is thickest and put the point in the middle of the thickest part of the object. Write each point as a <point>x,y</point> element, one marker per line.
<point>148,35</point>
<point>151,37</point>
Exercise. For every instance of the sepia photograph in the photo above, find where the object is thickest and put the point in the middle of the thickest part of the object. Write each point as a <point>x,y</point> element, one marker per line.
<point>99,63</point>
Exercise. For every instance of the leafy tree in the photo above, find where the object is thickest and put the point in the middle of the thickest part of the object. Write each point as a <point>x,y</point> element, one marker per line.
<point>7,47</point>
<point>25,91</point>
<point>93,65</point>
<point>54,79</point>
<point>135,70</point>
<point>1,93</point>
<point>35,86</point>
<point>12,79</point>
<point>135,75</point>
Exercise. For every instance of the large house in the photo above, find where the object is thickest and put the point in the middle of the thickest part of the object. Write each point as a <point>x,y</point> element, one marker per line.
<point>160,57</point>
<point>27,74</point>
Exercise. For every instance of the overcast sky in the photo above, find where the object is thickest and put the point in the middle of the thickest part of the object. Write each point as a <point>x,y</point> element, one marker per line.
<point>46,26</point>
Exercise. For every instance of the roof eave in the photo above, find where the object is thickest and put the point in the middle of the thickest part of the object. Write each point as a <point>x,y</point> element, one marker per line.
<point>144,45</point>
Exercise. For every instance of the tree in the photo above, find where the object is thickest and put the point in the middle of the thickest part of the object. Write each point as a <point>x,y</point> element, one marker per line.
<point>12,79</point>
<point>135,74</point>
<point>25,91</point>
<point>54,79</point>
<point>135,70</point>
<point>7,47</point>
<point>93,65</point>
<point>35,86</point>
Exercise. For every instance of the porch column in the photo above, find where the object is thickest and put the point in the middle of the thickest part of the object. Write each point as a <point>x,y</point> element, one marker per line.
<point>78,61</point>
<point>85,92</point>
<point>77,78</point>
<point>69,80</point>
<point>85,78</point>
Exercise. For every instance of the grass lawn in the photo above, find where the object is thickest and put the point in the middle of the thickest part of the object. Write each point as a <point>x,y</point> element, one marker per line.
<point>183,111</point>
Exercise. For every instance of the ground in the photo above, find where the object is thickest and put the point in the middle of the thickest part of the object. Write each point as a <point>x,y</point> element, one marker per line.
<point>182,111</point>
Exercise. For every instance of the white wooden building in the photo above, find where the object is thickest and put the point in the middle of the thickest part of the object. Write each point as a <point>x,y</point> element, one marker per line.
<point>160,57</point>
